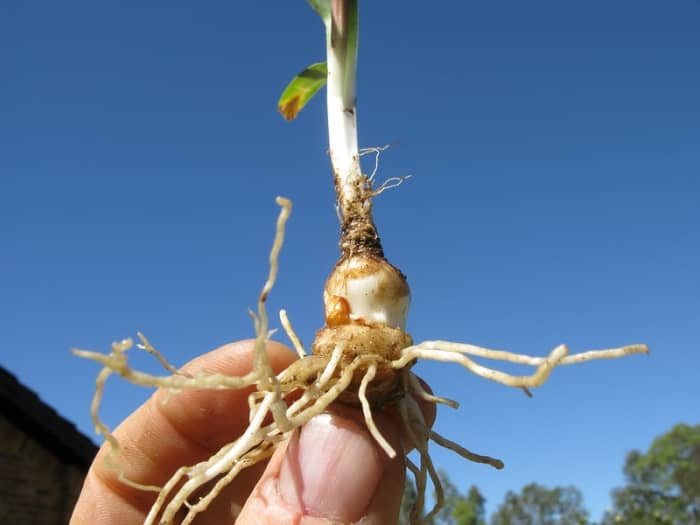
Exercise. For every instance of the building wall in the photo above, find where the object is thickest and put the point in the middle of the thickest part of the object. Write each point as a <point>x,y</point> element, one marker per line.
<point>36,487</point>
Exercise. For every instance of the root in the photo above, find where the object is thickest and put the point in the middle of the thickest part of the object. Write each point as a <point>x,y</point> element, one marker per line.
<point>419,434</point>
<point>415,388</point>
<point>263,453</point>
<point>331,366</point>
<point>266,379</point>
<point>413,420</point>
<point>331,394</point>
<point>148,347</point>
<point>367,412</point>
<point>419,478</point>
<point>296,342</point>
<point>222,462</point>
<point>103,430</point>
<point>418,390</point>
<point>417,422</point>
<point>390,183</point>
<point>261,365</point>
<point>610,353</point>
<point>377,150</point>
<point>454,352</point>
<point>536,379</point>
<point>522,359</point>
<point>117,363</point>
<point>466,454</point>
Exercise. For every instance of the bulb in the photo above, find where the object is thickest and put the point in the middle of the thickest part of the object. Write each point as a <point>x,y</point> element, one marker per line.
<point>366,290</point>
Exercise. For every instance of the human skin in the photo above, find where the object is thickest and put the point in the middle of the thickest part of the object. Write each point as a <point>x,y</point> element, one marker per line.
<point>330,471</point>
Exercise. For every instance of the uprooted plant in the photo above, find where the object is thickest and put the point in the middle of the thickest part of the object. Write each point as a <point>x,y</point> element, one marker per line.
<point>362,356</point>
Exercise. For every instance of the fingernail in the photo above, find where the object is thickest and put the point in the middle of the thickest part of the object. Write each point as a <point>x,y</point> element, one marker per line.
<point>331,469</point>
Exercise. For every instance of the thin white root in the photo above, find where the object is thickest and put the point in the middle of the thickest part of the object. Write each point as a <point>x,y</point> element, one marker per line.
<point>419,478</point>
<point>523,359</point>
<point>100,427</point>
<point>252,405</point>
<point>176,478</point>
<point>148,347</point>
<point>454,352</point>
<point>267,380</point>
<point>262,363</point>
<point>536,379</point>
<point>377,150</point>
<point>410,465</point>
<point>331,366</point>
<point>609,353</point>
<point>417,389</point>
<point>296,342</point>
<point>414,420</point>
<point>117,363</point>
<point>321,402</point>
<point>437,486</point>
<point>313,393</point>
<point>466,454</point>
<point>104,431</point>
<point>367,412</point>
<point>415,417</point>
<point>201,505</point>
<point>390,183</point>
<point>216,466</point>
<point>308,396</point>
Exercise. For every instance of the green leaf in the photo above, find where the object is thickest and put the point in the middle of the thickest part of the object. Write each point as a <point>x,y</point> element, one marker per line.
<point>300,90</point>
<point>323,8</point>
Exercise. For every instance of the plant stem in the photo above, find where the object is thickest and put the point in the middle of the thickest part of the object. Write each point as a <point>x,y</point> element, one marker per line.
<point>353,189</point>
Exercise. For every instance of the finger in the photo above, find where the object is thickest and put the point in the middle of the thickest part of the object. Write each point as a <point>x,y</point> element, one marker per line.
<point>168,431</point>
<point>330,471</point>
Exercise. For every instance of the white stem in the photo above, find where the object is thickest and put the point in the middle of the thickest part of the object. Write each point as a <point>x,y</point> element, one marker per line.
<point>342,128</point>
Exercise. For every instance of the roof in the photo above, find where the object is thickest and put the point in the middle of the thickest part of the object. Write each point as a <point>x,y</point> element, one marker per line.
<point>26,410</point>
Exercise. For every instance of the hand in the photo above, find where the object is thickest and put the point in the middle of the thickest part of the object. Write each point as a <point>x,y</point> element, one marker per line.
<point>330,471</point>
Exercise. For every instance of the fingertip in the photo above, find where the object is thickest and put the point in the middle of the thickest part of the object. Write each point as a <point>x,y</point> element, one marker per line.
<point>330,471</point>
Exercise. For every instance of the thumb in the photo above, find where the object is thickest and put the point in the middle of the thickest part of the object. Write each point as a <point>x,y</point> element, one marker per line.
<point>330,471</point>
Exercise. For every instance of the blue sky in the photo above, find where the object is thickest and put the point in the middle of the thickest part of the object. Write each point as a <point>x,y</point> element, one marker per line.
<point>554,198</point>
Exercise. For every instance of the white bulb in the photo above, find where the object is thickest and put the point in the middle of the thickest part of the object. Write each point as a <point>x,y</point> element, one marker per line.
<point>375,291</point>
